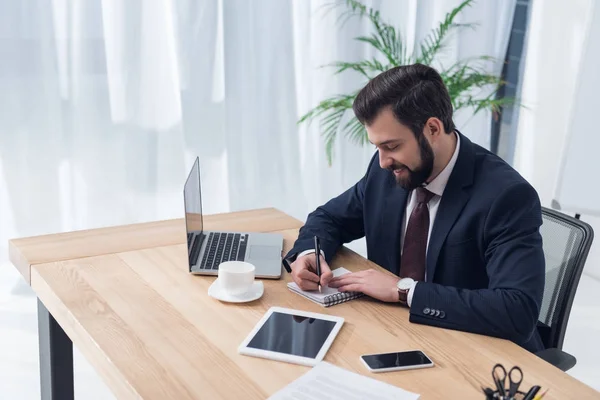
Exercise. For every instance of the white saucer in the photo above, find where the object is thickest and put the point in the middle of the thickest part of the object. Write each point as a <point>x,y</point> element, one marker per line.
<point>255,292</point>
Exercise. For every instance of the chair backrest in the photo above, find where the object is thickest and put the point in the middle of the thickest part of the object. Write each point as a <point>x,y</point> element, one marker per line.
<point>567,242</point>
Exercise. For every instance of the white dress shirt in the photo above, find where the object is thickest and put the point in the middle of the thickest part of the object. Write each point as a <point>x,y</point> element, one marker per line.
<point>437,187</point>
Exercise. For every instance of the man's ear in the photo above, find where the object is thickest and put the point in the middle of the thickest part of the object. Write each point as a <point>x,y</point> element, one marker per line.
<point>433,127</point>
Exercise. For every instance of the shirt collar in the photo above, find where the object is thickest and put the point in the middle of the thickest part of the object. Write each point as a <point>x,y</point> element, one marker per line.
<point>438,185</point>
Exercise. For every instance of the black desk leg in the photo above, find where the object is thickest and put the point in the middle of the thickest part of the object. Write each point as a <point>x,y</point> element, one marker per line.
<point>56,358</point>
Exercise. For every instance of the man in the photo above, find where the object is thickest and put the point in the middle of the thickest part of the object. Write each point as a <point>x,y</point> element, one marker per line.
<point>457,225</point>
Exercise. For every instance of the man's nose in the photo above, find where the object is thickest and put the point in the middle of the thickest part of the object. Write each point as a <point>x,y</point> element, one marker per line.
<point>385,162</point>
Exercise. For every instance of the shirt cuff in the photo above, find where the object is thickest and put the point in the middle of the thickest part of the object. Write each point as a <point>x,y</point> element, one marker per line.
<point>411,291</point>
<point>309,251</point>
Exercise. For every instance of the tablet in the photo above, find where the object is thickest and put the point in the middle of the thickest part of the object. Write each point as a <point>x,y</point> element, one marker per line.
<point>293,336</point>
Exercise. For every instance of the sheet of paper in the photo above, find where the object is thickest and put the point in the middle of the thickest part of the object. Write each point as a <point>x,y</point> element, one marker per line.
<point>326,381</point>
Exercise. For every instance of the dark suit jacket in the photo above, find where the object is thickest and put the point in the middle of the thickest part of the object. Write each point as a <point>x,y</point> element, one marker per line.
<point>485,264</point>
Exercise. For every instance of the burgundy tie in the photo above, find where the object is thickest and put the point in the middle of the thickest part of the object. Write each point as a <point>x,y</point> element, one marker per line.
<point>412,262</point>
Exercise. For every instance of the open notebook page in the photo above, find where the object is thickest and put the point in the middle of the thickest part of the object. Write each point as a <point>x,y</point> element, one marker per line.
<point>325,290</point>
<point>327,381</point>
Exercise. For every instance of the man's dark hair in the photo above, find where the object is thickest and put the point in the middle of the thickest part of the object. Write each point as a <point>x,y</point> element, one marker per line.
<point>415,93</point>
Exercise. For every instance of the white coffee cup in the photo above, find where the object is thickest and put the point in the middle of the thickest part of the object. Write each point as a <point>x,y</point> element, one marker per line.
<point>236,277</point>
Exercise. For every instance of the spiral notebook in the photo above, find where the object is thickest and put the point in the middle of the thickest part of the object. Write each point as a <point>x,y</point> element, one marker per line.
<point>329,296</point>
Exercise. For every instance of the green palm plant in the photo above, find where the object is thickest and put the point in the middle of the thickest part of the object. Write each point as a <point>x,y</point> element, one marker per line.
<point>467,81</point>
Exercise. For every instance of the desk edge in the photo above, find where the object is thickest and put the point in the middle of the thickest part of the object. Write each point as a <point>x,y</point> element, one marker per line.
<point>23,264</point>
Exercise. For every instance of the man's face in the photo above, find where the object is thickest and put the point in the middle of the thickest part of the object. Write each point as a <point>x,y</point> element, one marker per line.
<point>409,159</point>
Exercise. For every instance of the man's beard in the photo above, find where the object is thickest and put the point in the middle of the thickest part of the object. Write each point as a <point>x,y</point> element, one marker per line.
<point>419,175</point>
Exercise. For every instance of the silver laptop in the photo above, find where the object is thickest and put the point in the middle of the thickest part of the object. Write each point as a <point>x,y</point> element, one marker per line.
<point>208,249</point>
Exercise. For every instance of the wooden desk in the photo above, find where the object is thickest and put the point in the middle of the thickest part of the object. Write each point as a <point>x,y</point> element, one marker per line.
<point>124,297</point>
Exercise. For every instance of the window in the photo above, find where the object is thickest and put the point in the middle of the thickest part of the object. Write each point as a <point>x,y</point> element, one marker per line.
<point>504,128</point>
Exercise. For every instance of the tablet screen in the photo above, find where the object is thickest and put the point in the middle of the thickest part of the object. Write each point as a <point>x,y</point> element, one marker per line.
<point>292,334</point>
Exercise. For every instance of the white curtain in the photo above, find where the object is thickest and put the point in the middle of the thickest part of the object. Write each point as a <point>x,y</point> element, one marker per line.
<point>105,103</point>
<point>550,83</point>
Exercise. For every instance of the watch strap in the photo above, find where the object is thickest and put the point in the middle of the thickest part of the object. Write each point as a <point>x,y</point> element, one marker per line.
<point>403,296</point>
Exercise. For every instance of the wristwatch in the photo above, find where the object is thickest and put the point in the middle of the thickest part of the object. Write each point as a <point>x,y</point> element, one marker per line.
<point>403,286</point>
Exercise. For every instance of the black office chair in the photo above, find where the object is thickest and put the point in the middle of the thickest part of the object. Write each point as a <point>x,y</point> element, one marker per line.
<point>567,242</point>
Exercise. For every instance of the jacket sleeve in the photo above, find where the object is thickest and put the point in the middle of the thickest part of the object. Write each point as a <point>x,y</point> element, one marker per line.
<point>509,308</point>
<point>336,222</point>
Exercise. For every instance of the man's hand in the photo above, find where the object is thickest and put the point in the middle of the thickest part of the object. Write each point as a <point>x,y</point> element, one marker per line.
<point>304,272</point>
<point>373,283</point>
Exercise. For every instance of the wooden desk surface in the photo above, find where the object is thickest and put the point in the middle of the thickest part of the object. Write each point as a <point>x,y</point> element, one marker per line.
<point>124,297</point>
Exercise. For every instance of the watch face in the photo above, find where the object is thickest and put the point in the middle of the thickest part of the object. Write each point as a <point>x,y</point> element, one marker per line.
<point>405,283</point>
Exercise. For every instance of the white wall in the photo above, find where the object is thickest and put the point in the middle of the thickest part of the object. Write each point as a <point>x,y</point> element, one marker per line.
<point>557,35</point>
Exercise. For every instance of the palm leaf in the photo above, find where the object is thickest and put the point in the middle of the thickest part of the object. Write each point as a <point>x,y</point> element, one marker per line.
<point>332,110</point>
<point>490,102</point>
<point>385,38</point>
<point>355,8</point>
<point>330,126</point>
<point>468,82</point>
<point>433,43</point>
<point>356,131</point>
<point>377,42</point>
<point>336,102</point>
<point>365,67</point>
<point>463,80</point>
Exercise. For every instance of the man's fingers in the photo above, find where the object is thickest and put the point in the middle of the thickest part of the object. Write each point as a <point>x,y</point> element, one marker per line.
<point>305,274</point>
<point>300,277</point>
<point>359,276</point>
<point>335,283</point>
<point>353,287</point>
<point>308,285</point>
<point>326,274</point>
<point>345,280</point>
<point>324,265</point>
<point>296,278</point>
<point>326,278</point>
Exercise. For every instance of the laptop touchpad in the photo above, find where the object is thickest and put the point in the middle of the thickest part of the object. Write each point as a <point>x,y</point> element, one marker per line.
<point>264,252</point>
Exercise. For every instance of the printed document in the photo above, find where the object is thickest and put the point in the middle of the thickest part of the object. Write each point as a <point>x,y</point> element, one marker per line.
<point>327,381</point>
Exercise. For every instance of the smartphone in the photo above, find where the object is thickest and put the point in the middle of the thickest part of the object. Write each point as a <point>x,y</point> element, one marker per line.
<point>384,362</point>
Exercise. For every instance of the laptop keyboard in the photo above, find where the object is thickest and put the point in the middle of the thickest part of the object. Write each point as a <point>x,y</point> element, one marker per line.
<point>220,247</point>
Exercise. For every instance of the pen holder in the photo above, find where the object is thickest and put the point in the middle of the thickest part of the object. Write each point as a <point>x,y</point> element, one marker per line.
<point>515,377</point>
<point>495,395</point>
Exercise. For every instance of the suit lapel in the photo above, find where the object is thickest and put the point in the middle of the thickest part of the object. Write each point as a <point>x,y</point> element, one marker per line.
<point>392,214</point>
<point>456,194</point>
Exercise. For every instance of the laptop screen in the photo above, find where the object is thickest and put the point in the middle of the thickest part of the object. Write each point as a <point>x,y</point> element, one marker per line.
<point>193,202</point>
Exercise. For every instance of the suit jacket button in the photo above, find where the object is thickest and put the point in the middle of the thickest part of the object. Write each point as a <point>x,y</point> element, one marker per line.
<point>426,311</point>
<point>437,313</point>
<point>442,314</point>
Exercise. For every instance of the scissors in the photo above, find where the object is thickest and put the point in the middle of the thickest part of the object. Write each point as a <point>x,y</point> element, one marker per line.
<point>499,375</point>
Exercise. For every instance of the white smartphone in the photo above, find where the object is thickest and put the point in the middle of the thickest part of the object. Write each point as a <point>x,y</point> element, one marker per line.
<point>384,362</point>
